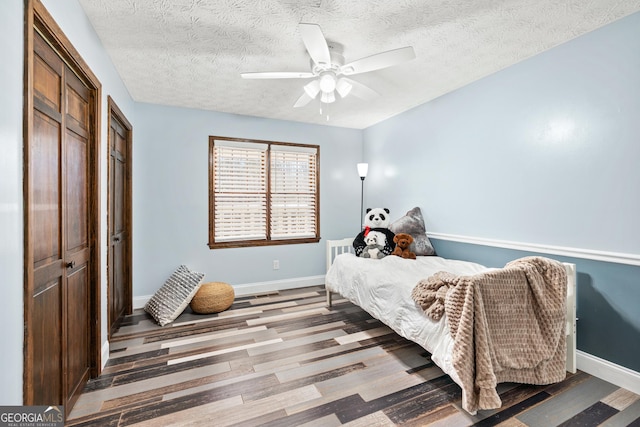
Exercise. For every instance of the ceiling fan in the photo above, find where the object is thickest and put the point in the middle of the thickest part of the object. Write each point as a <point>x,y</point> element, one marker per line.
<point>328,69</point>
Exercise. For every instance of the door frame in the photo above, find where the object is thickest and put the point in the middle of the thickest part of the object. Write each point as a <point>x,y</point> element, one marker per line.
<point>114,110</point>
<point>38,18</point>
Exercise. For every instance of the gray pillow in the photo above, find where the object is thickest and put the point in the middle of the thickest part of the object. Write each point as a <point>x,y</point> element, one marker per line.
<point>413,223</point>
<point>174,296</point>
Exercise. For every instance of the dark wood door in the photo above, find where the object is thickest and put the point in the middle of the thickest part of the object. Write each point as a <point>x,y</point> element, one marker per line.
<point>119,261</point>
<point>58,358</point>
<point>76,322</point>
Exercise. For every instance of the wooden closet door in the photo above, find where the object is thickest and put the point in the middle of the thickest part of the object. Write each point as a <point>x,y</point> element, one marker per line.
<point>76,320</point>
<point>58,360</point>
<point>119,223</point>
<point>45,200</point>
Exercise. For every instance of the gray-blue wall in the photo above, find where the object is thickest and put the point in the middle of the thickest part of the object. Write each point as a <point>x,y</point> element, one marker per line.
<point>171,204</point>
<point>546,152</point>
<point>607,299</point>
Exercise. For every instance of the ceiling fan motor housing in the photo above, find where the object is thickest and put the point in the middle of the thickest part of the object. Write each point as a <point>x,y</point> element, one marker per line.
<point>337,60</point>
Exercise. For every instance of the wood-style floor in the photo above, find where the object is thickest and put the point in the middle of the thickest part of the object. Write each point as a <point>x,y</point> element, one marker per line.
<point>284,359</point>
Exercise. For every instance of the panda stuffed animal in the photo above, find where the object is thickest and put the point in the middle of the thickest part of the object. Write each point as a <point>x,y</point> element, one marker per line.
<point>376,220</point>
<point>373,248</point>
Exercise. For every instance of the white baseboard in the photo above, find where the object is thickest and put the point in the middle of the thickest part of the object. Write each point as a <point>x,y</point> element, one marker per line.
<point>105,353</point>
<point>139,302</point>
<point>256,288</point>
<point>278,285</point>
<point>608,371</point>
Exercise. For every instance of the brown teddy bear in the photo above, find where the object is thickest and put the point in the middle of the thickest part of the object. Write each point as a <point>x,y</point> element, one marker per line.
<point>403,240</point>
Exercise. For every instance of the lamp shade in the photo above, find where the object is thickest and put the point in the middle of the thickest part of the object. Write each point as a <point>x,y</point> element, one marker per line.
<point>363,168</point>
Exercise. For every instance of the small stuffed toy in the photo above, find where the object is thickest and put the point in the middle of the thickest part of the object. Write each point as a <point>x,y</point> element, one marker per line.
<point>376,219</point>
<point>403,240</point>
<point>373,248</point>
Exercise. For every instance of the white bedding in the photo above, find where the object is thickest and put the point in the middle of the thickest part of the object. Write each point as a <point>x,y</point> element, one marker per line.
<point>383,288</point>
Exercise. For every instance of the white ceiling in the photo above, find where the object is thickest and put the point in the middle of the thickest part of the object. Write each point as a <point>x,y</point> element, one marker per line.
<point>190,53</point>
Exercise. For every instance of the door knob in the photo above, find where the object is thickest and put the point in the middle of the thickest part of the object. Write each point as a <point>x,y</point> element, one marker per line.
<point>116,239</point>
<point>71,264</point>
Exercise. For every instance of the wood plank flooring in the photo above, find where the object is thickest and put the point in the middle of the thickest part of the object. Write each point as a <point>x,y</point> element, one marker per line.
<point>284,359</point>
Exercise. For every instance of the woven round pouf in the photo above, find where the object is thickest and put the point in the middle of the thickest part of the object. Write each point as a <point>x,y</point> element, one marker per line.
<point>213,297</point>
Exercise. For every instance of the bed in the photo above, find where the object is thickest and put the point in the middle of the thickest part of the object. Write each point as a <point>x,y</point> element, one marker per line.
<point>384,289</point>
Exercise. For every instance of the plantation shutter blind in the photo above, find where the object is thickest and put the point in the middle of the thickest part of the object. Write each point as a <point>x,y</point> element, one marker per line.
<point>293,195</point>
<point>240,188</point>
<point>262,193</point>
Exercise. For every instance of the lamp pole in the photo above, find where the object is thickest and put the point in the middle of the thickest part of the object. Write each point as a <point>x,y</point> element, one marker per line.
<point>362,202</point>
<point>363,168</point>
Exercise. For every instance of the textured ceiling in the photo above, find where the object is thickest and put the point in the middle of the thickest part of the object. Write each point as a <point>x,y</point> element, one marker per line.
<point>190,53</point>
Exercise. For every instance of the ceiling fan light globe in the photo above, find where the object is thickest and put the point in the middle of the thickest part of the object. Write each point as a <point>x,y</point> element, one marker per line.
<point>328,97</point>
<point>327,82</point>
<point>312,88</point>
<point>343,87</point>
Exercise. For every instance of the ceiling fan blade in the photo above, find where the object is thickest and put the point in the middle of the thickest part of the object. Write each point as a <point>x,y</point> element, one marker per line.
<point>315,43</point>
<point>303,100</point>
<point>378,61</point>
<point>360,90</point>
<point>278,75</point>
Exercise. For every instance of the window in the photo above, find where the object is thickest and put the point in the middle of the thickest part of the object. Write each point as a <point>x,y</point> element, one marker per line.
<point>262,193</point>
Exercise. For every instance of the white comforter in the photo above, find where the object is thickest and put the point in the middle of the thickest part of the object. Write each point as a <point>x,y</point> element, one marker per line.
<point>383,288</point>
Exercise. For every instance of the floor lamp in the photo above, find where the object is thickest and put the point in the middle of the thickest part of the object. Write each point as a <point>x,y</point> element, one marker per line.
<point>362,172</point>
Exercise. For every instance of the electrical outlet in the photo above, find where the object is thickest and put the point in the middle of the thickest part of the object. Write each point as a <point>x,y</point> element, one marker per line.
<point>276,264</point>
